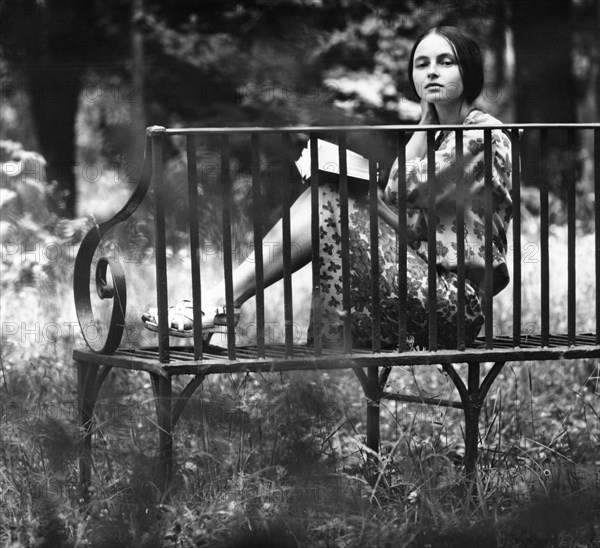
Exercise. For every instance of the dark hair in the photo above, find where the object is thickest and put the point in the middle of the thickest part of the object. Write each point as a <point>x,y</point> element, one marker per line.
<point>469,58</point>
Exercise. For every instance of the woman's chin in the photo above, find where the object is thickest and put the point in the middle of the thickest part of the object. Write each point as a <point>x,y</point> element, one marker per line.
<point>437,98</point>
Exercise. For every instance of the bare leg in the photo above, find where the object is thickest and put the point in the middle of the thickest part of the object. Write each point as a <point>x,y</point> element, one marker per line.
<point>244,283</point>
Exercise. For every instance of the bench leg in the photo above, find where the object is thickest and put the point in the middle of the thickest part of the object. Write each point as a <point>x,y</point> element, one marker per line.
<point>86,377</point>
<point>373,391</point>
<point>472,409</point>
<point>164,415</point>
<point>369,382</point>
<point>371,388</point>
<point>89,381</point>
<point>472,397</point>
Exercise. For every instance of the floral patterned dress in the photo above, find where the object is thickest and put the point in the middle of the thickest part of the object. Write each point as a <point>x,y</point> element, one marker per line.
<point>417,277</point>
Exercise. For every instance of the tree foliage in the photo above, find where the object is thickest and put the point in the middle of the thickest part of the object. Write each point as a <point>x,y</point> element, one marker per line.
<point>250,62</point>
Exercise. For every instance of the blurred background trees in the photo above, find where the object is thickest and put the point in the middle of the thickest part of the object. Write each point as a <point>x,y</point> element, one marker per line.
<point>80,80</point>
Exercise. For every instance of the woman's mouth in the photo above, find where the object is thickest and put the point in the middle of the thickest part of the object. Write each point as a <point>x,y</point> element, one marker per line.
<point>434,86</point>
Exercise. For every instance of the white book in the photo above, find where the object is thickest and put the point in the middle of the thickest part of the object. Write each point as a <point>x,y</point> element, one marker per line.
<point>329,161</point>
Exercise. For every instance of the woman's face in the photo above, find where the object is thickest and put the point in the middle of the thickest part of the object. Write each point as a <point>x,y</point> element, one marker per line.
<point>435,71</point>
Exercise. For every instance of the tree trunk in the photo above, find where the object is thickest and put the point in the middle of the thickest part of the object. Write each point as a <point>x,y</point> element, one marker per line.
<point>544,82</point>
<point>596,58</point>
<point>138,110</point>
<point>543,46</point>
<point>54,93</point>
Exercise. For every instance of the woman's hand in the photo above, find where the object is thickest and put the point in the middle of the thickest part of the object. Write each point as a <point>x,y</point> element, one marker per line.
<point>390,216</point>
<point>387,214</point>
<point>428,114</point>
<point>416,148</point>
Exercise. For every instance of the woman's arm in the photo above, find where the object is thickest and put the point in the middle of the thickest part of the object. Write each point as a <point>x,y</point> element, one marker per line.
<point>387,214</point>
<point>416,148</point>
<point>390,216</point>
<point>417,144</point>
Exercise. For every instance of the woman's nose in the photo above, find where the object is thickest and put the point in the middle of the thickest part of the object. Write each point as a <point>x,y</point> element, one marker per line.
<point>432,70</point>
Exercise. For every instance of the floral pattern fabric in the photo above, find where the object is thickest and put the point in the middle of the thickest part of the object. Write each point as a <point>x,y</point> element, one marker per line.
<point>417,193</point>
<point>360,283</point>
<point>417,274</point>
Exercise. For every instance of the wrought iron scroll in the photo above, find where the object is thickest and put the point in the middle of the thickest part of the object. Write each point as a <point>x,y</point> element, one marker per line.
<point>83,262</point>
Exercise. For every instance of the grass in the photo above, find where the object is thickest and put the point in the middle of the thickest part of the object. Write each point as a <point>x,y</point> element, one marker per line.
<point>280,460</point>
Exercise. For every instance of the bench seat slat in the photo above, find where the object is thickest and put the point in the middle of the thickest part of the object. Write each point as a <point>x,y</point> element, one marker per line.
<point>216,361</point>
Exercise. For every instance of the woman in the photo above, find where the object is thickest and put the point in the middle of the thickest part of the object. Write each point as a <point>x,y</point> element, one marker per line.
<point>446,73</point>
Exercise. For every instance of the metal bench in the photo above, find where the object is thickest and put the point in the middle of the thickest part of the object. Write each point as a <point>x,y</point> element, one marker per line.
<point>372,366</point>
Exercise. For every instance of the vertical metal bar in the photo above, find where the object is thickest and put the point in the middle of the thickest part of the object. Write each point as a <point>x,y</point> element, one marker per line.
<point>160,249</point>
<point>375,270</point>
<point>287,265</point>
<point>227,254</point>
<point>373,412</point>
<point>258,246</point>
<point>432,241</point>
<point>516,200</point>
<point>402,244</point>
<point>488,229</point>
<point>571,268</point>
<point>460,240</point>
<point>194,244</point>
<point>597,220</point>
<point>544,221</point>
<point>346,305</point>
<point>315,226</point>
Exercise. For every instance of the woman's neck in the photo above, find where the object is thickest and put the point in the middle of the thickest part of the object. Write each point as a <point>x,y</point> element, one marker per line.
<point>453,113</point>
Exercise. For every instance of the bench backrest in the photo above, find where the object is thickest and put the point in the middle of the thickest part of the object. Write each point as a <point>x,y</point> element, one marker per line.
<point>154,174</point>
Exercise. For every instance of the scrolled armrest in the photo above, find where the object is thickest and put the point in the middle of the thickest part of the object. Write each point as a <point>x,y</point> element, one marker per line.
<point>83,262</point>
